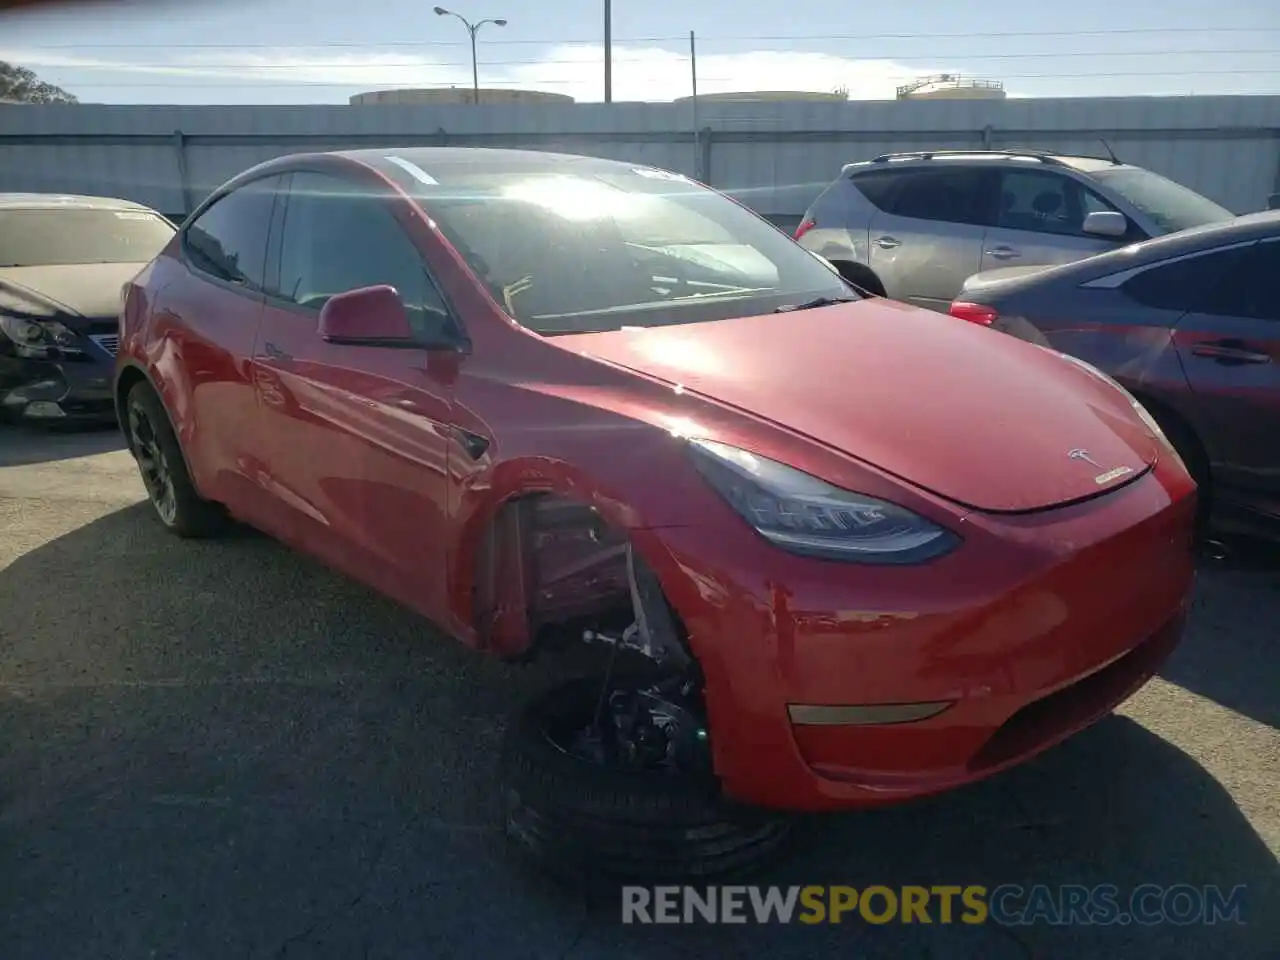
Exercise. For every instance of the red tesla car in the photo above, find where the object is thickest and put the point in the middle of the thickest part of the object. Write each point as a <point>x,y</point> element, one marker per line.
<point>846,551</point>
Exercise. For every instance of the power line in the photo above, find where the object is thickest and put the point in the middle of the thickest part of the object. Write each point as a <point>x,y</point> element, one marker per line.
<point>1005,35</point>
<point>212,83</point>
<point>709,38</point>
<point>950,58</point>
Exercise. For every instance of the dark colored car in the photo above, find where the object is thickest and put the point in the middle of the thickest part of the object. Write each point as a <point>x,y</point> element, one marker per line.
<point>1190,325</point>
<point>542,399</point>
<point>63,263</point>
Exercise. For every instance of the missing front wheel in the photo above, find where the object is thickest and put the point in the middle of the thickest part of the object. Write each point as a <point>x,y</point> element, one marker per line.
<point>626,804</point>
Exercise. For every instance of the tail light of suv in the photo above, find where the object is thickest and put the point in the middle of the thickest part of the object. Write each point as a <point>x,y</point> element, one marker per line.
<point>978,313</point>
<point>806,225</point>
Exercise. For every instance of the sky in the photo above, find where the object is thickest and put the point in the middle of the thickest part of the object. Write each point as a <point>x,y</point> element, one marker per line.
<point>322,51</point>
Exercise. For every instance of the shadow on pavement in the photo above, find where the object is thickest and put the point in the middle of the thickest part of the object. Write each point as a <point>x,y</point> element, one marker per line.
<point>219,749</point>
<point>1232,652</point>
<point>25,445</point>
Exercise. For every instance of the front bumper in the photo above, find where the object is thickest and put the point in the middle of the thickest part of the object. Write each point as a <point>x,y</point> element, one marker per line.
<point>1034,628</point>
<point>57,390</point>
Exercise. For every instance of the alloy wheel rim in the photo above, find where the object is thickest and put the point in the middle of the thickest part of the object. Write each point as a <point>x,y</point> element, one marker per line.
<point>157,476</point>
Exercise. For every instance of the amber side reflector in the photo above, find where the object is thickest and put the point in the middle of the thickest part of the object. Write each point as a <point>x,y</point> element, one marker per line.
<point>865,714</point>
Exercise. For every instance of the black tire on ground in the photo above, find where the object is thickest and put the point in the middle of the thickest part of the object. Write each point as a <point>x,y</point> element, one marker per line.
<point>580,820</point>
<point>190,514</point>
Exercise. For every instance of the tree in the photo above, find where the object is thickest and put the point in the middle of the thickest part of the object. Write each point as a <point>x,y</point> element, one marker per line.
<point>20,84</point>
<point>841,92</point>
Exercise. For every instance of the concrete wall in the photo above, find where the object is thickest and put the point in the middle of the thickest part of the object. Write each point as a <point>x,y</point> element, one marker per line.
<point>435,96</point>
<point>774,156</point>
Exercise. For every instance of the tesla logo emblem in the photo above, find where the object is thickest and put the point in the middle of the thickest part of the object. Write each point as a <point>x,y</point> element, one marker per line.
<point>1078,454</point>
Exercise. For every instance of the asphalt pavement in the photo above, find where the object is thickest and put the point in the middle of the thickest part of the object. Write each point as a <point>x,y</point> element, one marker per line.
<point>221,749</point>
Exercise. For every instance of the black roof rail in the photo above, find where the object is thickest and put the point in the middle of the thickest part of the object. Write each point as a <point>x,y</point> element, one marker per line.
<point>1049,159</point>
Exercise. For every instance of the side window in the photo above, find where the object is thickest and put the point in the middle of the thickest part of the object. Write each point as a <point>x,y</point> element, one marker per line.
<point>339,237</point>
<point>1193,284</point>
<point>1044,202</point>
<point>1249,289</point>
<point>951,194</point>
<point>1095,204</point>
<point>877,186</point>
<point>229,240</point>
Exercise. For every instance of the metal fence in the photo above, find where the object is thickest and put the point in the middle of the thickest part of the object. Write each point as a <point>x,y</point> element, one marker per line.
<point>775,156</point>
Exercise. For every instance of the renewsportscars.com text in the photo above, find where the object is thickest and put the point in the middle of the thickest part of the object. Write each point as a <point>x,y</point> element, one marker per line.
<point>1007,904</point>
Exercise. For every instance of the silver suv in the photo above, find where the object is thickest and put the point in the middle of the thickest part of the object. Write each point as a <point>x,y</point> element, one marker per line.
<point>915,226</point>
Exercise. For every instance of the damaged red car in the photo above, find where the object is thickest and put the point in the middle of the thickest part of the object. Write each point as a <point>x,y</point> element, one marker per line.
<point>830,551</point>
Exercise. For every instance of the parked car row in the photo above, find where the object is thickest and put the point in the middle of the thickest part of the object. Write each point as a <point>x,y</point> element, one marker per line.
<point>848,551</point>
<point>1162,289</point>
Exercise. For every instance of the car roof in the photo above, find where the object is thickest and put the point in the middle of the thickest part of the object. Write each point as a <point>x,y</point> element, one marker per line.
<point>1093,164</point>
<point>1010,155</point>
<point>447,161</point>
<point>61,201</point>
<point>432,165</point>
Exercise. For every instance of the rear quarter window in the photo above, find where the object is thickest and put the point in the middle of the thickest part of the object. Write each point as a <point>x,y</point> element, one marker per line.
<point>1192,284</point>
<point>944,192</point>
<point>877,186</point>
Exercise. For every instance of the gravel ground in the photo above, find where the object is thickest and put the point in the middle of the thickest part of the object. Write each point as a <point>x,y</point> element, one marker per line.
<point>223,750</point>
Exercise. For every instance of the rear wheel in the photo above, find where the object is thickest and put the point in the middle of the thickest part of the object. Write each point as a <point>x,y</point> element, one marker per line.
<point>607,779</point>
<point>164,469</point>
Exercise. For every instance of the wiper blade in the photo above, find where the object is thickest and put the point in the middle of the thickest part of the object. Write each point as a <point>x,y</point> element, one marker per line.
<point>815,302</point>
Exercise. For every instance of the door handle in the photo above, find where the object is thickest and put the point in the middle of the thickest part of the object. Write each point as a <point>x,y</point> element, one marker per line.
<point>274,352</point>
<point>1003,253</point>
<point>1228,352</point>
<point>887,243</point>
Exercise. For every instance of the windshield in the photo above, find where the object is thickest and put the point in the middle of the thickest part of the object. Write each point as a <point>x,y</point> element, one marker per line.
<point>584,253</point>
<point>54,237</point>
<point>1170,205</point>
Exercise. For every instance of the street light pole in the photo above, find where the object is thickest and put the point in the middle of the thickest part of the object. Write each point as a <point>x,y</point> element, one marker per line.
<point>475,68</point>
<point>472,30</point>
<point>608,51</point>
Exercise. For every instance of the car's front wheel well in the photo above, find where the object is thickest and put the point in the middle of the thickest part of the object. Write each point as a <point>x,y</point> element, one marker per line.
<point>1191,449</point>
<point>1180,433</point>
<point>611,773</point>
<point>128,378</point>
<point>552,570</point>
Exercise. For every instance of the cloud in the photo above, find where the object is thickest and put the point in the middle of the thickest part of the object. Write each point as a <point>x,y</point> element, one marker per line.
<point>639,72</point>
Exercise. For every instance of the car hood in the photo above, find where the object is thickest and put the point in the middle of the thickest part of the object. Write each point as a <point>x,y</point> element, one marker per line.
<point>982,419</point>
<point>84,289</point>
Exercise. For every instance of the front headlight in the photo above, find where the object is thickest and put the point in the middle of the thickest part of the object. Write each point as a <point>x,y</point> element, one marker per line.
<point>802,514</point>
<point>39,339</point>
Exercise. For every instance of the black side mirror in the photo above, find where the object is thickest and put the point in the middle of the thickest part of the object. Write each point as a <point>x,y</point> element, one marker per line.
<point>1273,202</point>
